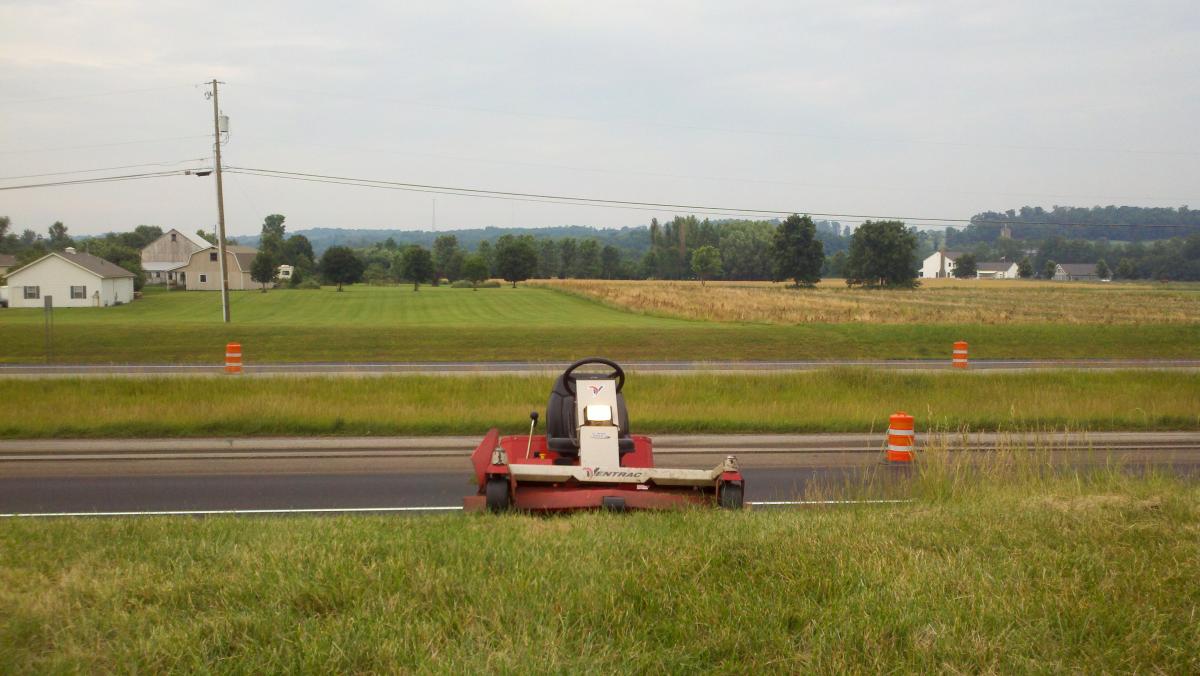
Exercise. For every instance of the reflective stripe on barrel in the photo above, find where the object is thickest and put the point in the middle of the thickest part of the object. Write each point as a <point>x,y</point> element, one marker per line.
<point>959,360</point>
<point>233,358</point>
<point>900,437</point>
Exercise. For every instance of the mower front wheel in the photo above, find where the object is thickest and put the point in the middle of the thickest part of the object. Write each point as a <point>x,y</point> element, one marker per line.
<point>499,494</point>
<point>731,495</point>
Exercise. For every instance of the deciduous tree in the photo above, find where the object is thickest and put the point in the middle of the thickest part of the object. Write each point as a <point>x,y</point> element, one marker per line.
<point>416,265</point>
<point>706,263</point>
<point>797,253</point>
<point>516,258</point>
<point>882,254</point>
<point>262,269</point>
<point>966,267</point>
<point>339,265</point>
<point>475,270</point>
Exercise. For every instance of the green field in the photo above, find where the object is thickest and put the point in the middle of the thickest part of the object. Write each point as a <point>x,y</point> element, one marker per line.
<point>983,573</point>
<point>846,400</point>
<point>442,324</point>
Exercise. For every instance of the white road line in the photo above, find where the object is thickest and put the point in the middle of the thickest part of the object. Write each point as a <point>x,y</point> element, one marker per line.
<point>214,512</point>
<point>347,510</point>
<point>773,503</point>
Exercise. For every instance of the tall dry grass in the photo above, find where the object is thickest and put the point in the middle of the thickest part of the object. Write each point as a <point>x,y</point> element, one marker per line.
<point>935,301</point>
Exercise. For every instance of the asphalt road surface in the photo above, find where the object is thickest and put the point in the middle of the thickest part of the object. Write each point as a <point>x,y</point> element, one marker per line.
<point>510,368</point>
<point>364,473</point>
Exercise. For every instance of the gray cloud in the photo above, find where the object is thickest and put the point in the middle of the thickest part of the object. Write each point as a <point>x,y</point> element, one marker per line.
<point>925,108</point>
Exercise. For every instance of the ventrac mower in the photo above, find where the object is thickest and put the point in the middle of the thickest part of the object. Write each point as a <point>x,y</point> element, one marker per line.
<point>588,459</point>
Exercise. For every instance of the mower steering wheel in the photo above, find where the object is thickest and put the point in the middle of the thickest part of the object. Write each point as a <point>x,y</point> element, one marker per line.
<point>617,372</point>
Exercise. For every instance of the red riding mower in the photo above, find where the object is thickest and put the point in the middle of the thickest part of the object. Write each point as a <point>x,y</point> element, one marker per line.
<point>588,459</point>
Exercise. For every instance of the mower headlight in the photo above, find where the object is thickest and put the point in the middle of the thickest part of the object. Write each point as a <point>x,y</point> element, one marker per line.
<point>597,414</point>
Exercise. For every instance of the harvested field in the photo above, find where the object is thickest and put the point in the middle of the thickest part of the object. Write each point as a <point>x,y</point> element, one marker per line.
<point>935,301</point>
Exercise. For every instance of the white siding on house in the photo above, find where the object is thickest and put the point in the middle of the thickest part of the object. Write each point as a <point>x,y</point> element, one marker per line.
<point>54,277</point>
<point>931,267</point>
<point>204,263</point>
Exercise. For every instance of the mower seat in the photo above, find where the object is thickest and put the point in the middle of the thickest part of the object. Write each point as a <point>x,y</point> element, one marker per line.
<point>561,421</point>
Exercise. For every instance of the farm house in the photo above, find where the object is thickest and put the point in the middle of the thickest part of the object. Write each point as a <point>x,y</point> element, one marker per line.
<point>72,279</point>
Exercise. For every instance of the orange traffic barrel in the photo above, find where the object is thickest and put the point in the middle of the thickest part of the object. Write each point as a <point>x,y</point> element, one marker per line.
<point>233,358</point>
<point>900,438</point>
<point>960,355</point>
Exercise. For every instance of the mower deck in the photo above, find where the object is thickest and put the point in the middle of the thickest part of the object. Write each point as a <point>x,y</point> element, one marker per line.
<point>533,478</point>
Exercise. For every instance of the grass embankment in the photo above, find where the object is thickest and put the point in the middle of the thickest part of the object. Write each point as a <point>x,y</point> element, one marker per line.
<point>847,400</point>
<point>935,301</point>
<point>1084,574</point>
<point>538,324</point>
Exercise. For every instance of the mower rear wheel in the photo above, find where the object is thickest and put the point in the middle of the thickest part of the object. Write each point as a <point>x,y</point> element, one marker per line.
<point>499,494</point>
<point>731,495</point>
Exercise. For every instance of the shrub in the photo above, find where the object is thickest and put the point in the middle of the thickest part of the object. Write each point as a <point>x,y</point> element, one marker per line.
<point>309,283</point>
<point>464,284</point>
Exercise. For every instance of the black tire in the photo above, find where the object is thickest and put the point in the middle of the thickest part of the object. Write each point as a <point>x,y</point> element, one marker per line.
<point>730,495</point>
<point>499,494</point>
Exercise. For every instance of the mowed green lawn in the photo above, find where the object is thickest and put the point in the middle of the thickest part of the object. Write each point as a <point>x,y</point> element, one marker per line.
<point>537,324</point>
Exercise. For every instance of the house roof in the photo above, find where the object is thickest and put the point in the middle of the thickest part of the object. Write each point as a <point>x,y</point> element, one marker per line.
<point>1078,268</point>
<point>192,237</point>
<point>994,266</point>
<point>7,260</point>
<point>93,264</point>
<point>163,266</point>
<point>953,254</point>
<point>244,255</point>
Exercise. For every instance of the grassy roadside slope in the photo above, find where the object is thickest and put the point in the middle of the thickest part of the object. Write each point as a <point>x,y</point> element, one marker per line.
<point>1082,574</point>
<point>843,400</point>
<point>537,324</point>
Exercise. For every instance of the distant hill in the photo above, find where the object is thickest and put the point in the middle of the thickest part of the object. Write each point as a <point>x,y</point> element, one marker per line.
<point>633,239</point>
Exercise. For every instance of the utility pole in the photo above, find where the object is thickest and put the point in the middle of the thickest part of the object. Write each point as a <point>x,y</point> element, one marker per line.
<point>220,203</point>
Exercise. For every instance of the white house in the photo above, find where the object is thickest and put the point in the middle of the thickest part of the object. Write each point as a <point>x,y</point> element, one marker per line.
<point>939,264</point>
<point>203,271</point>
<point>162,258</point>
<point>996,270</point>
<point>73,279</point>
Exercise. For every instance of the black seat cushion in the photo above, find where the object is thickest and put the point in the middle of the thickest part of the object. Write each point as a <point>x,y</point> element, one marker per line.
<point>561,421</point>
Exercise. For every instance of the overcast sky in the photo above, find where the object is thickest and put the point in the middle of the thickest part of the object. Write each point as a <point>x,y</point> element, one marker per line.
<point>932,109</point>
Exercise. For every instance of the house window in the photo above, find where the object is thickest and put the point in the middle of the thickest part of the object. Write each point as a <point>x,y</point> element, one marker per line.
<point>203,278</point>
<point>78,293</point>
<point>173,236</point>
<point>33,292</point>
<point>212,256</point>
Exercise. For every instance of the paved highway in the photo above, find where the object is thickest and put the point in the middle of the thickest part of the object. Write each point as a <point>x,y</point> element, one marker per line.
<point>56,476</point>
<point>511,368</point>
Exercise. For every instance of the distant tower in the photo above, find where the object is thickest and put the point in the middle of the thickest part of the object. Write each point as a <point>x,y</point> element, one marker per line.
<point>1005,232</point>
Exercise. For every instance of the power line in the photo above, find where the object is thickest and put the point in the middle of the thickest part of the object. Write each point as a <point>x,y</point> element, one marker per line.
<point>718,179</point>
<point>70,97</point>
<point>100,179</point>
<point>88,171</point>
<point>102,145</point>
<point>632,204</point>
